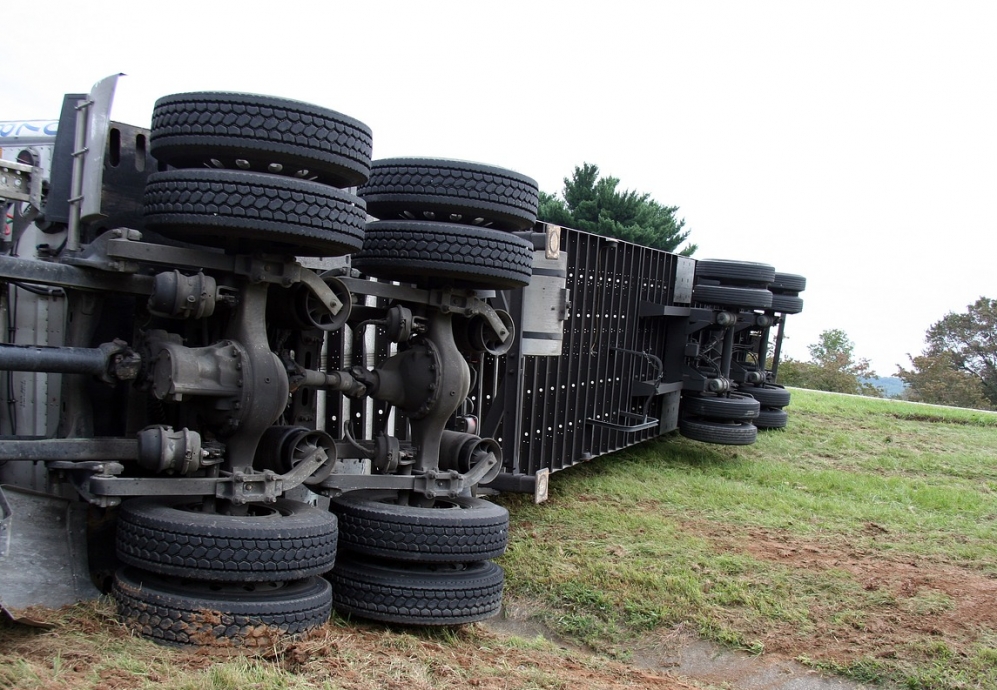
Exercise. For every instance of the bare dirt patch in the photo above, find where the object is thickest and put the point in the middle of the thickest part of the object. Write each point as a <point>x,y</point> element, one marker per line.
<point>475,657</point>
<point>916,601</point>
<point>88,648</point>
<point>680,652</point>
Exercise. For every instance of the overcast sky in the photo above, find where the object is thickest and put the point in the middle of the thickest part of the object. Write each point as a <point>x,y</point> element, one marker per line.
<point>854,143</point>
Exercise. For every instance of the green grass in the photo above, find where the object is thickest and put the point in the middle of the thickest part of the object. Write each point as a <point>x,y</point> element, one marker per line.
<point>781,542</point>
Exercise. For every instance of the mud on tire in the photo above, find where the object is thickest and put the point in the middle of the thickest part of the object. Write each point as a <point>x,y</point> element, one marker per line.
<point>181,612</point>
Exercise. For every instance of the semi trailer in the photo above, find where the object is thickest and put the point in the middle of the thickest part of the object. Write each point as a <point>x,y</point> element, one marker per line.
<point>250,374</point>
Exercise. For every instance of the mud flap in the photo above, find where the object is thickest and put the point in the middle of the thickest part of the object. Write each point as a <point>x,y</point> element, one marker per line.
<point>43,554</point>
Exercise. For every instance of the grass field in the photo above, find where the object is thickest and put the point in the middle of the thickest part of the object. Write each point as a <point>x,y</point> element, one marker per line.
<point>860,540</point>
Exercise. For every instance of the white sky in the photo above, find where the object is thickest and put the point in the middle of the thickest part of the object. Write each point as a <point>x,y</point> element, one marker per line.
<point>851,142</point>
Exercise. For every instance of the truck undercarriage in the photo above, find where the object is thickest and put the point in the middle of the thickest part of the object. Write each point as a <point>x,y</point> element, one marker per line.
<point>250,375</point>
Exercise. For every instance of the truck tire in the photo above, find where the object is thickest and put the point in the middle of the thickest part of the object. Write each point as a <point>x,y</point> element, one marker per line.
<point>454,530</point>
<point>788,284</point>
<point>252,212</point>
<point>736,272</point>
<point>768,395</point>
<point>733,406</point>
<point>417,594</point>
<point>450,191</point>
<point>255,616</point>
<point>729,296</point>
<point>786,304</point>
<point>462,255</point>
<point>729,433</point>
<point>772,418</point>
<point>261,134</point>
<point>286,540</point>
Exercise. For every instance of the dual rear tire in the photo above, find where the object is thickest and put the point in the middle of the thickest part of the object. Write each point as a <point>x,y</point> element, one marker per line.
<point>257,174</point>
<point>739,284</point>
<point>418,565</point>
<point>198,578</point>
<point>193,577</point>
<point>448,223</point>
<point>725,419</point>
<point>772,399</point>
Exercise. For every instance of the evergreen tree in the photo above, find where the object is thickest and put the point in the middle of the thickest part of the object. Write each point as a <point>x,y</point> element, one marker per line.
<point>594,204</point>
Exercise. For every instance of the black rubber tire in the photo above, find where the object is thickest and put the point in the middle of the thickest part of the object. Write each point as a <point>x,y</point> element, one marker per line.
<point>456,530</point>
<point>451,191</point>
<point>417,594</point>
<point>728,296</point>
<point>772,418</point>
<point>286,540</point>
<point>736,272</point>
<point>255,616</point>
<point>728,433</point>
<point>189,130</point>
<point>788,284</point>
<point>735,406</point>
<point>786,304</point>
<point>461,255</point>
<point>768,395</point>
<point>252,212</point>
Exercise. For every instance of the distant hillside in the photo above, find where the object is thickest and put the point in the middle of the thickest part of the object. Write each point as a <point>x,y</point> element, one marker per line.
<point>891,385</point>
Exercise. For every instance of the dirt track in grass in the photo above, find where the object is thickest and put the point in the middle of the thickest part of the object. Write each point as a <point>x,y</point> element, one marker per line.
<point>929,599</point>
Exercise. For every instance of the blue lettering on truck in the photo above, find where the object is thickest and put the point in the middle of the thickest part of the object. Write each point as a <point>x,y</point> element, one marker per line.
<point>28,127</point>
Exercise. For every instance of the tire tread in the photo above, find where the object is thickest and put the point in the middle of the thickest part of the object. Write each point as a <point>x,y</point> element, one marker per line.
<point>190,128</point>
<point>234,208</point>
<point>155,536</point>
<point>710,431</point>
<point>391,594</point>
<point>469,256</point>
<point>477,531</point>
<point>171,618</point>
<point>434,189</point>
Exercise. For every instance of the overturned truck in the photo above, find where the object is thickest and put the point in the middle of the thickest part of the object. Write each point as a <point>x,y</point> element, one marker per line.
<point>249,375</point>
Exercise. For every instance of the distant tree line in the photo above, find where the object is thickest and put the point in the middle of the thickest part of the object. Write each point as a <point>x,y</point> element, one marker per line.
<point>832,367</point>
<point>958,366</point>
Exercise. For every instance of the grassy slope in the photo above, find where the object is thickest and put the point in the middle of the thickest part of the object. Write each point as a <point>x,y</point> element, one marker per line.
<point>861,539</point>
